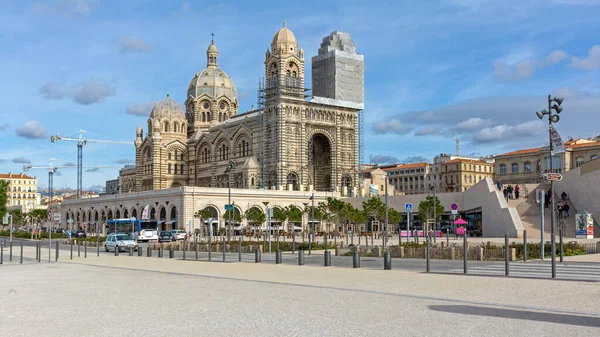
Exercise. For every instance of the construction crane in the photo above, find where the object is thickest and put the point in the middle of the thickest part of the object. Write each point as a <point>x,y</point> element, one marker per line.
<point>81,141</point>
<point>51,170</point>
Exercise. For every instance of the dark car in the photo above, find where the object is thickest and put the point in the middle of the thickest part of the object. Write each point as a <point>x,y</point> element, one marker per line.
<point>166,236</point>
<point>78,234</point>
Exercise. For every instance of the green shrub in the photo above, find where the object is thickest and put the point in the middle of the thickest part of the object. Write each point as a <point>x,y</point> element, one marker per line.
<point>534,249</point>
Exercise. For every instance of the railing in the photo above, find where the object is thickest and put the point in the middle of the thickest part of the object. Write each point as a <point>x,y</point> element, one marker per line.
<point>575,210</point>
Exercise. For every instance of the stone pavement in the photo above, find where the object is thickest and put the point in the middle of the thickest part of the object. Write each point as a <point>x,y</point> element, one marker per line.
<point>127,296</point>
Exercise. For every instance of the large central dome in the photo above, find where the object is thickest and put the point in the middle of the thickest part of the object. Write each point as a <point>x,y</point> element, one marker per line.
<point>212,81</point>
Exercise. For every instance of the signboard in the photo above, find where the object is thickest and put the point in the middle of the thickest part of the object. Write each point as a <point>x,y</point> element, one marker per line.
<point>557,143</point>
<point>145,212</point>
<point>228,207</point>
<point>454,207</point>
<point>584,225</point>
<point>454,212</point>
<point>373,189</point>
<point>56,217</point>
<point>50,215</point>
<point>540,195</point>
<point>553,176</point>
<point>408,207</point>
<point>5,219</point>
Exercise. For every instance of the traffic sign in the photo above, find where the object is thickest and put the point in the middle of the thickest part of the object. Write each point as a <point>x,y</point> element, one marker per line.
<point>553,176</point>
<point>454,207</point>
<point>454,212</point>
<point>408,207</point>
<point>228,207</point>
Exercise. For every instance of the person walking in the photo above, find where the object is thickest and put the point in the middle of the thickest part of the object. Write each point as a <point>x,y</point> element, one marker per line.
<point>510,191</point>
<point>505,191</point>
<point>559,208</point>
<point>499,185</point>
<point>517,191</point>
<point>566,210</point>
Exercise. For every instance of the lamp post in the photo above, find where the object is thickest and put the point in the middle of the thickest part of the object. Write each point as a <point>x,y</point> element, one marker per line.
<point>552,118</point>
<point>385,231</point>
<point>228,171</point>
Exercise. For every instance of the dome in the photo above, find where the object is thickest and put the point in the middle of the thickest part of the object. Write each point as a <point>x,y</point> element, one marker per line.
<point>283,38</point>
<point>167,108</point>
<point>212,48</point>
<point>213,82</point>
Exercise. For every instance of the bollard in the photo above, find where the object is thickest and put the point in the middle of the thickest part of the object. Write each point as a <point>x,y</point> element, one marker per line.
<point>71,249</point>
<point>506,256</point>
<point>140,251</point>
<point>78,248</point>
<point>278,257</point>
<point>149,251</point>
<point>36,251</point>
<point>224,257</point>
<point>130,251</point>
<point>1,252</point>
<point>171,252</point>
<point>327,258</point>
<point>387,261</point>
<point>196,248</point>
<point>57,246</point>
<point>117,250</point>
<point>301,257</point>
<point>560,238</point>
<point>160,251</point>
<point>427,267</point>
<point>294,241</point>
<point>465,253</point>
<point>240,251</point>
<point>257,258</point>
<point>184,244</point>
<point>21,258</point>
<point>355,259</point>
<point>524,246</point>
<point>85,249</point>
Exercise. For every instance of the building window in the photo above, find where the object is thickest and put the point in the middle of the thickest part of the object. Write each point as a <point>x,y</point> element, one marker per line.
<point>515,168</point>
<point>169,155</point>
<point>181,171</point>
<point>169,168</point>
<point>579,162</point>
<point>557,164</point>
<point>182,159</point>
<point>527,166</point>
<point>502,168</point>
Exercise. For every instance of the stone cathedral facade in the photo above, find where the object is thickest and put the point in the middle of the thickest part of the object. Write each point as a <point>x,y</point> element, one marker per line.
<point>292,141</point>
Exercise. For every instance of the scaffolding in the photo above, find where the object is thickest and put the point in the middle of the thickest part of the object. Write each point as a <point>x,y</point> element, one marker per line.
<point>361,149</point>
<point>261,107</point>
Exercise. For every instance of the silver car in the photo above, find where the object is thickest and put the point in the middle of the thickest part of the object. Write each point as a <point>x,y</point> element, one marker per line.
<point>122,242</point>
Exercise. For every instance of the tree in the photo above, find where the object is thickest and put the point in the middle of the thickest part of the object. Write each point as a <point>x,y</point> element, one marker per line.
<point>280,215</point>
<point>3,197</point>
<point>375,208</point>
<point>255,216</point>
<point>235,217</point>
<point>394,217</point>
<point>38,215</point>
<point>294,216</point>
<point>203,214</point>
<point>18,217</point>
<point>426,208</point>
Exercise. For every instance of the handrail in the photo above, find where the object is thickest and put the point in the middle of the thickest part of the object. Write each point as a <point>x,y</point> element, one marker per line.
<point>574,208</point>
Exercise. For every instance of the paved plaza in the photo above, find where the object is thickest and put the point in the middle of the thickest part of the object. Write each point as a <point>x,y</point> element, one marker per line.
<point>125,296</point>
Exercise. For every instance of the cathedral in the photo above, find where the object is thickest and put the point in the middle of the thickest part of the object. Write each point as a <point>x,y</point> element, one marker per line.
<point>292,141</point>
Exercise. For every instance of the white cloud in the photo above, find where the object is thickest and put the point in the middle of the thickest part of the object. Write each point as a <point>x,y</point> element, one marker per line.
<point>89,92</point>
<point>506,132</point>
<point>69,164</point>
<point>123,161</point>
<point>427,130</point>
<point>65,8</point>
<point>134,44</point>
<point>592,61</point>
<point>382,159</point>
<point>21,160</point>
<point>474,123</point>
<point>393,126</point>
<point>31,130</point>
<point>140,109</point>
<point>524,69</point>
<point>94,169</point>
<point>416,159</point>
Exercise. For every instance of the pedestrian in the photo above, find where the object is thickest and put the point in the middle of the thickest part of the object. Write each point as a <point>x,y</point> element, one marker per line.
<point>506,193</point>
<point>559,208</point>
<point>517,191</point>
<point>510,191</point>
<point>499,185</point>
<point>566,210</point>
<point>546,199</point>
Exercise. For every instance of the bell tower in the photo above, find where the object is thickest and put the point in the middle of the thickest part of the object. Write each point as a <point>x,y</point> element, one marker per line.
<point>284,65</point>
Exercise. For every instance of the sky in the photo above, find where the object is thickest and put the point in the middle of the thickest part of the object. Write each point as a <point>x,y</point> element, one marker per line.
<point>435,71</point>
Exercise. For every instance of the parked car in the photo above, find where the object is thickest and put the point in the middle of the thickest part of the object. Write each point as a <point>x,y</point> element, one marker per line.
<point>179,234</point>
<point>166,236</point>
<point>121,242</point>
<point>78,234</point>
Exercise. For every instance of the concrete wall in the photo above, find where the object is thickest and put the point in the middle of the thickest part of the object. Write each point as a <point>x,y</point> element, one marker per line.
<point>497,218</point>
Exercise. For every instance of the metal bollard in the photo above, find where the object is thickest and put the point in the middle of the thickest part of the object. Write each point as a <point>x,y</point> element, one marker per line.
<point>57,246</point>
<point>171,252</point>
<point>327,259</point>
<point>224,257</point>
<point>40,252</point>
<point>1,252</point>
<point>294,241</point>
<point>117,251</point>
<point>149,251</point>
<point>355,259</point>
<point>184,244</point>
<point>130,251</point>
<point>387,261</point>
<point>524,246</point>
<point>71,249</point>
<point>36,251</point>
<point>278,257</point>
<point>240,251</point>
<point>560,233</point>
<point>465,253</point>
<point>257,258</point>
<point>427,266</point>
<point>85,249</point>
<point>78,248</point>
<point>506,255</point>
<point>140,251</point>
<point>160,251</point>
<point>21,259</point>
<point>301,257</point>
<point>196,247</point>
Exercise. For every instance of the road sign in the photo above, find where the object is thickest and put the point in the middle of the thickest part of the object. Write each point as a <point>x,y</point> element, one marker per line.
<point>228,207</point>
<point>408,207</point>
<point>454,207</point>
<point>49,215</point>
<point>454,212</point>
<point>553,176</point>
<point>5,219</point>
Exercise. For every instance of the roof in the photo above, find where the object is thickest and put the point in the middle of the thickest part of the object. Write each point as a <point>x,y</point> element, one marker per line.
<point>576,146</point>
<point>14,175</point>
<point>519,152</point>
<point>461,160</point>
<point>167,108</point>
<point>406,166</point>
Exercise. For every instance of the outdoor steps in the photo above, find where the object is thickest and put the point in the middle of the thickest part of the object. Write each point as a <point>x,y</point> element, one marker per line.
<point>529,212</point>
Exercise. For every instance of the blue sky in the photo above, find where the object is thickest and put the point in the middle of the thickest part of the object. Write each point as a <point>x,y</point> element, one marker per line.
<point>435,70</point>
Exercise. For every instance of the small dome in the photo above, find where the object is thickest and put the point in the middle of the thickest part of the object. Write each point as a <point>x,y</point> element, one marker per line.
<point>212,48</point>
<point>167,108</point>
<point>213,82</point>
<point>283,38</point>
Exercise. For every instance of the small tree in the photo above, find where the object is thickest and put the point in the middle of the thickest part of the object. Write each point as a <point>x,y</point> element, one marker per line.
<point>394,217</point>
<point>426,208</point>
<point>255,216</point>
<point>203,214</point>
<point>3,197</point>
<point>294,216</point>
<point>233,215</point>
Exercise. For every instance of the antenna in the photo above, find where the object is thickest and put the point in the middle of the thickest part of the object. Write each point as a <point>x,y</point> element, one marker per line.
<point>458,146</point>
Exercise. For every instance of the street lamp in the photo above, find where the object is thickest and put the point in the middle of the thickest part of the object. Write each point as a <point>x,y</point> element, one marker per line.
<point>312,198</point>
<point>552,118</point>
<point>385,231</point>
<point>228,170</point>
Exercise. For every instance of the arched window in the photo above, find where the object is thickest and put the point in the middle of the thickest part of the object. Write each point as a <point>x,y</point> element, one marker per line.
<point>527,166</point>
<point>175,127</point>
<point>181,171</point>
<point>169,155</point>
<point>203,117</point>
<point>182,159</point>
<point>515,168</point>
<point>169,168</point>
<point>166,127</point>
<point>502,168</point>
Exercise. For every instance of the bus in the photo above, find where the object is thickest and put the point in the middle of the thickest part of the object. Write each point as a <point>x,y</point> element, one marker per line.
<point>140,230</point>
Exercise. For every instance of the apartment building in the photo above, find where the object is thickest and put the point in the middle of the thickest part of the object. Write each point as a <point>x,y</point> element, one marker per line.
<point>410,178</point>
<point>460,174</point>
<point>22,190</point>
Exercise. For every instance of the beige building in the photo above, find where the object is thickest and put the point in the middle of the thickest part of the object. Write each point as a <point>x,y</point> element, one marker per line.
<point>288,143</point>
<point>127,179</point>
<point>460,174</point>
<point>527,166</point>
<point>22,191</point>
<point>374,182</point>
<point>410,178</point>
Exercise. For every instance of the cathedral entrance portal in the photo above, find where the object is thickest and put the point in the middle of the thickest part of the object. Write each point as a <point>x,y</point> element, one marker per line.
<point>320,160</point>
